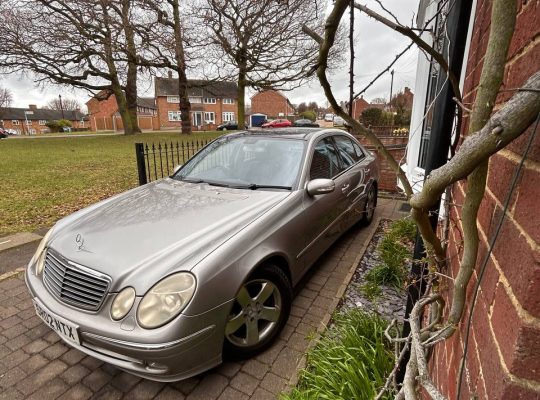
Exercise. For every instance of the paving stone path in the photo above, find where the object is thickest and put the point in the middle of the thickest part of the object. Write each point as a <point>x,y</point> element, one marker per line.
<point>35,364</point>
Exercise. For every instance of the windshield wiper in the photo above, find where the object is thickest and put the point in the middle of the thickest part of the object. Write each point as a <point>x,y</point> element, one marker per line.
<point>211,183</point>
<point>254,186</point>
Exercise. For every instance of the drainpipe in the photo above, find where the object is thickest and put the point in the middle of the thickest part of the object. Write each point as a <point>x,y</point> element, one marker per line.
<point>444,111</point>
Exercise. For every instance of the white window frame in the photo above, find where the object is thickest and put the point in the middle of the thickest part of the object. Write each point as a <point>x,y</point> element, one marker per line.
<point>32,131</point>
<point>209,117</point>
<point>174,116</point>
<point>15,122</point>
<point>228,116</point>
<point>209,100</point>
<point>173,99</point>
<point>195,100</point>
<point>228,101</point>
<point>28,122</point>
<point>42,122</point>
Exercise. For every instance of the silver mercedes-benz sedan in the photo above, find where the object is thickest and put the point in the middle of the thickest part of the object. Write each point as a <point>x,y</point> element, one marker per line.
<point>166,279</point>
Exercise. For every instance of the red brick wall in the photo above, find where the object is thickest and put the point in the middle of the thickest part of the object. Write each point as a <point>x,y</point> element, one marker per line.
<point>397,146</point>
<point>503,360</point>
<point>219,108</point>
<point>271,103</point>
<point>24,129</point>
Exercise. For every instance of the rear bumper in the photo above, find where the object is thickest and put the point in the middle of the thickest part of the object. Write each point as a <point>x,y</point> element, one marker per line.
<point>183,348</point>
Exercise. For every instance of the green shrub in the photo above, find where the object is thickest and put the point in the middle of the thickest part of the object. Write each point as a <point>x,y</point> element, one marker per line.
<point>351,361</point>
<point>309,114</point>
<point>372,116</point>
<point>58,125</point>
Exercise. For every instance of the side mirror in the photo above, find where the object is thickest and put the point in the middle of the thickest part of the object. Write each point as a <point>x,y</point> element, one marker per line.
<point>175,170</point>
<point>320,186</point>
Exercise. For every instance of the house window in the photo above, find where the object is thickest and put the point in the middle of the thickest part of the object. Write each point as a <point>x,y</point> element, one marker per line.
<point>228,101</point>
<point>32,131</point>
<point>209,118</point>
<point>228,116</point>
<point>28,122</point>
<point>42,122</point>
<point>174,116</point>
<point>209,100</point>
<point>196,100</point>
<point>173,99</point>
<point>15,122</point>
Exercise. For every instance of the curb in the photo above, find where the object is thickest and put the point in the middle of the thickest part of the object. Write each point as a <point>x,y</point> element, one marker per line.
<point>339,294</point>
<point>16,272</point>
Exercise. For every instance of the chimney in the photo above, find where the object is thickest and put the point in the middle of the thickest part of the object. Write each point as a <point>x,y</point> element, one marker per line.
<point>170,74</point>
<point>32,107</point>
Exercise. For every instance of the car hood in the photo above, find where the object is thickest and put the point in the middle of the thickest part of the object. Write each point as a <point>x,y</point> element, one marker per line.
<point>157,228</point>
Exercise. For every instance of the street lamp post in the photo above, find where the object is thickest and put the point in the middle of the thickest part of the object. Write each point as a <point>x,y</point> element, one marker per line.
<point>61,106</point>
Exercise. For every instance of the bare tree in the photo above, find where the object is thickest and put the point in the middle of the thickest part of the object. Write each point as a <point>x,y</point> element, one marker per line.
<point>89,45</point>
<point>64,104</point>
<point>487,134</point>
<point>6,98</point>
<point>378,100</point>
<point>261,40</point>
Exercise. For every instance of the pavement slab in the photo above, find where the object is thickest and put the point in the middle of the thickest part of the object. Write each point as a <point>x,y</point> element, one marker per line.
<point>34,363</point>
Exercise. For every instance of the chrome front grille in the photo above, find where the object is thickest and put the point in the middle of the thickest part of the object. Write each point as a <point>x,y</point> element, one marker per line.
<point>74,284</point>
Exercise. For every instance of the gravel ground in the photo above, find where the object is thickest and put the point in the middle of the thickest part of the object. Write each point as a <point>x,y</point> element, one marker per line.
<point>390,303</point>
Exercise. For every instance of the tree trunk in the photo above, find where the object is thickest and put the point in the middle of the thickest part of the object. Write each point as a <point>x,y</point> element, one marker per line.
<point>123,109</point>
<point>241,98</point>
<point>185,105</point>
<point>131,83</point>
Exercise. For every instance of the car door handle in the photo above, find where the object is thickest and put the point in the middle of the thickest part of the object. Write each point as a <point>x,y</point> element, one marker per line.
<point>345,187</point>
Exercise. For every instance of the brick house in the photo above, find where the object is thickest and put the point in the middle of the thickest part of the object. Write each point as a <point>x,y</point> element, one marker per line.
<point>359,105</point>
<point>33,120</point>
<point>503,358</point>
<point>104,115</point>
<point>212,103</point>
<point>272,103</point>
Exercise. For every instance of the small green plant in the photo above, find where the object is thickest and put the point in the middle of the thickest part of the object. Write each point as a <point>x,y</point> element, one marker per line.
<point>394,253</point>
<point>350,361</point>
<point>309,114</point>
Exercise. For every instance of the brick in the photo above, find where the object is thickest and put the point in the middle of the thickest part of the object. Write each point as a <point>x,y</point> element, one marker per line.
<point>245,383</point>
<point>269,355</point>
<point>10,322</point>
<point>232,394</point>
<point>77,392</point>
<point>44,375</point>
<point>168,393</point>
<point>273,383</point>
<point>55,351</point>
<point>11,377</point>
<point>261,394</point>
<point>36,346</point>
<point>52,337</point>
<point>11,394</point>
<point>527,203</point>
<point>514,392</point>
<point>39,331</point>
<point>302,301</point>
<point>74,374</point>
<point>51,390</point>
<point>91,362</point>
<point>15,358</point>
<point>14,331</point>
<point>37,361</point>
<point>97,379</point>
<point>72,356</point>
<point>286,362</point>
<point>145,389</point>
<point>125,381</point>
<point>18,342</point>
<point>108,393</point>
<point>255,368</point>
<point>210,387</point>
<point>187,385</point>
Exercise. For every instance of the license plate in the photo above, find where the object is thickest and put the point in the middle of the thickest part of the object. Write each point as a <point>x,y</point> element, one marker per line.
<point>64,328</point>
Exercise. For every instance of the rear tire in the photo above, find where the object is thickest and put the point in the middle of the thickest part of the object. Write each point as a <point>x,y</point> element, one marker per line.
<point>369,208</point>
<point>260,311</point>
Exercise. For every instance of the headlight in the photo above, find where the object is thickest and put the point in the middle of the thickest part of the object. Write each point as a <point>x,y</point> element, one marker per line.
<point>39,255</point>
<point>165,300</point>
<point>122,303</point>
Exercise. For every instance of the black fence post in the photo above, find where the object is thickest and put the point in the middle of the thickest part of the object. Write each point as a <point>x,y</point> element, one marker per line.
<point>141,167</point>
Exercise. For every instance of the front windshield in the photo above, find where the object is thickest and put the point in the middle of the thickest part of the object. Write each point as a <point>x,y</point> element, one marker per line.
<point>246,162</point>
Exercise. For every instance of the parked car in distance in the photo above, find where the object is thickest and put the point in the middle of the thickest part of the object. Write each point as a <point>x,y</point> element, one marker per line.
<point>329,117</point>
<point>3,133</point>
<point>168,279</point>
<point>277,123</point>
<point>229,126</point>
<point>338,121</point>
<point>305,123</point>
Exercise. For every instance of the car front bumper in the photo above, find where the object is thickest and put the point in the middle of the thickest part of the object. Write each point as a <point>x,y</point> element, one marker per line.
<point>182,348</point>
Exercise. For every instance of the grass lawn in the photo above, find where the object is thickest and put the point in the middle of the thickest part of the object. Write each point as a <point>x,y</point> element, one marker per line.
<point>44,179</point>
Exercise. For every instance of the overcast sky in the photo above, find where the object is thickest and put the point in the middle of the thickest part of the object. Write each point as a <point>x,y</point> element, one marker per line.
<point>375,47</point>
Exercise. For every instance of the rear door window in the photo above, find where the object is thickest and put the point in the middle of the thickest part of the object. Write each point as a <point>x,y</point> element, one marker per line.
<point>325,163</point>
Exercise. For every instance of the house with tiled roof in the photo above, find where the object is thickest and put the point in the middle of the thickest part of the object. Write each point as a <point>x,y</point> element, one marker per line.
<point>104,116</point>
<point>212,102</point>
<point>271,103</point>
<point>33,120</point>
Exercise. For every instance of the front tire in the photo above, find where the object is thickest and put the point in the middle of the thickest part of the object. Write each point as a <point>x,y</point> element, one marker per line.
<point>260,311</point>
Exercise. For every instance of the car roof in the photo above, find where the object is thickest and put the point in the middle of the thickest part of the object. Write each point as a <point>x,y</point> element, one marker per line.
<point>289,132</point>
